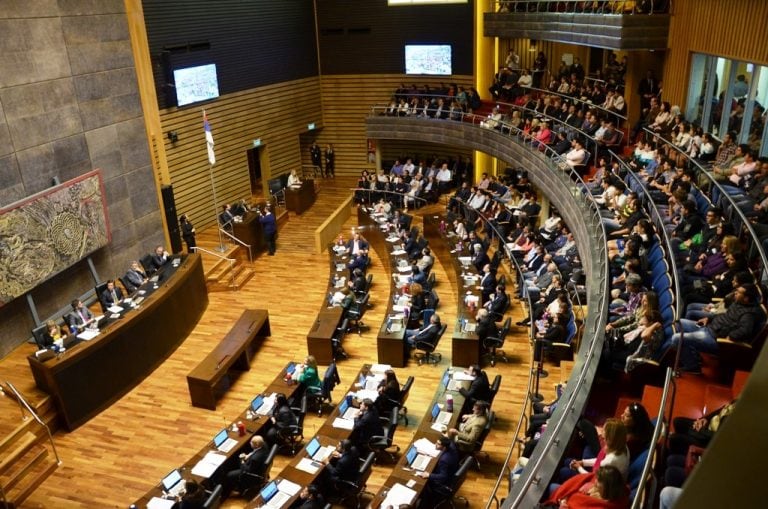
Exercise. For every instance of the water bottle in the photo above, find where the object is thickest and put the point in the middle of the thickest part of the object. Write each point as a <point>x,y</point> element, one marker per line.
<point>449,403</point>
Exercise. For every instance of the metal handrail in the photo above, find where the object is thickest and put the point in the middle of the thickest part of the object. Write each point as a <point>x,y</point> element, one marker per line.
<point>221,257</point>
<point>661,424</point>
<point>23,401</point>
<point>745,222</point>
<point>604,7</point>
<point>586,104</point>
<point>396,193</point>
<point>238,241</point>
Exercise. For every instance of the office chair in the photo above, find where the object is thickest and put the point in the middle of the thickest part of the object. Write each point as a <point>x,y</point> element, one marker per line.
<point>99,290</point>
<point>348,491</point>
<point>317,396</point>
<point>380,444</point>
<point>478,449</point>
<point>356,311</point>
<point>338,338</point>
<point>293,436</point>
<point>37,335</point>
<point>429,355</point>
<point>214,499</point>
<point>252,483</point>
<point>446,493</point>
<point>495,344</point>
<point>146,262</point>
<point>494,389</point>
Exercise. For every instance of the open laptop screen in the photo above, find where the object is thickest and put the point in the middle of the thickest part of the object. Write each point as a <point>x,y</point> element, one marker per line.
<point>435,411</point>
<point>411,455</point>
<point>220,438</point>
<point>312,447</point>
<point>256,403</point>
<point>171,480</point>
<point>268,491</point>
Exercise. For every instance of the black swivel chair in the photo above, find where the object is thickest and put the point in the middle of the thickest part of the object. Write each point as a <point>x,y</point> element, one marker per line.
<point>426,351</point>
<point>99,291</point>
<point>292,436</point>
<point>254,482</point>
<point>316,397</point>
<point>349,491</point>
<point>478,449</point>
<point>37,335</point>
<point>381,444</point>
<point>404,392</point>
<point>214,499</point>
<point>337,340</point>
<point>146,262</point>
<point>494,389</point>
<point>495,343</point>
<point>446,493</point>
<point>356,311</point>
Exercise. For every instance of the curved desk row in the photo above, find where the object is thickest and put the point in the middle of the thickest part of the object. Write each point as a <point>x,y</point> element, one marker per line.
<point>466,347</point>
<point>91,376</point>
<point>320,335</point>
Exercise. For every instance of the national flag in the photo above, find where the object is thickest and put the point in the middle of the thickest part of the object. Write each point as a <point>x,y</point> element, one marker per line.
<point>209,139</point>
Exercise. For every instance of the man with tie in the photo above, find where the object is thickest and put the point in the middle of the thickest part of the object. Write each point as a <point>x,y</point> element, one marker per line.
<point>226,218</point>
<point>356,244</point>
<point>427,333</point>
<point>487,282</point>
<point>112,295</point>
<point>81,316</point>
<point>439,479</point>
<point>160,257</point>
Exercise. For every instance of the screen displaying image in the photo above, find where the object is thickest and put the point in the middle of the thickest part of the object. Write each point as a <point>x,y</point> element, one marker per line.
<point>195,84</point>
<point>428,59</point>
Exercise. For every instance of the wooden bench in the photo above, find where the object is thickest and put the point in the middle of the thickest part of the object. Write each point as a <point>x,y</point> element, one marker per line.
<point>212,377</point>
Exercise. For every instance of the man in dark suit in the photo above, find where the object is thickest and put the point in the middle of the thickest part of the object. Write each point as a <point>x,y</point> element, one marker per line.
<point>251,464</point>
<point>498,303</point>
<point>479,389</point>
<point>356,243</point>
<point>479,257</point>
<point>269,229</point>
<point>160,257</point>
<point>428,333</point>
<point>134,277</point>
<point>487,282</point>
<point>441,476</point>
<point>226,218</point>
<point>111,295</point>
<point>309,498</point>
<point>359,262</point>
<point>341,466</point>
<point>367,424</point>
<point>315,153</point>
<point>81,316</point>
<point>486,327</point>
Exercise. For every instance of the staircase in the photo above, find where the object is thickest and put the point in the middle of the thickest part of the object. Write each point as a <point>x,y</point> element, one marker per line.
<point>229,270</point>
<point>28,455</point>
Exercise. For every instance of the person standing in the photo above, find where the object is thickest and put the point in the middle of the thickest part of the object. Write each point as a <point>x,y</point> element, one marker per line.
<point>329,161</point>
<point>187,233</point>
<point>269,228</point>
<point>314,152</point>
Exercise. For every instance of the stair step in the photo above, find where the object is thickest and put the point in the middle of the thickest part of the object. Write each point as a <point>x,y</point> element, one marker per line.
<point>18,495</point>
<point>24,466</point>
<point>19,445</point>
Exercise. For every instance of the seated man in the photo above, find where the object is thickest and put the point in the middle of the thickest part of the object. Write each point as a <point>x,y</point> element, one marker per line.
<point>740,323</point>
<point>479,389</point>
<point>497,304</point>
<point>226,218</point>
<point>134,277</point>
<point>356,244</point>
<point>427,333</point>
<point>251,464</point>
<point>367,424</point>
<point>340,467</point>
<point>440,478</point>
<point>112,295</point>
<point>471,427</point>
<point>160,257</point>
<point>309,498</point>
<point>81,316</point>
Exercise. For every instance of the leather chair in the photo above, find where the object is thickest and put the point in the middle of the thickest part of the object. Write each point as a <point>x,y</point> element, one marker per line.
<point>495,343</point>
<point>252,483</point>
<point>381,444</point>
<point>446,493</point>
<point>214,499</point>
<point>293,436</point>
<point>349,491</point>
<point>316,397</point>
<point>426,351</point>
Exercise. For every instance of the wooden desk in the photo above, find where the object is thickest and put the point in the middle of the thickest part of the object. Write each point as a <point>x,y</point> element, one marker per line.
<point>466,347</point>
<point>319,336</point>
<point>249,231</point>
<point>256,425</point>
<point>391,346</point>
<point>210,378</point>
<point>300,199</point>
<point>91,376</point>
<point>402,476</point>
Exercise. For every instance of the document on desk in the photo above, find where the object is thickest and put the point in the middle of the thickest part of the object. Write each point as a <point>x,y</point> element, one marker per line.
<point>88,334</point>
<point>426,446</point>
<point>398,252</point>
<point>394,239</point>
<point>288,487</point>
<point>347,424</point>
<point>309,466</point>
<point>208,465</point>
<point>462,377</point>
<point>160,503</point>
<point>398,495</point>
<point>380,368</point>
<point>115,309</point>
<point>366,393</point>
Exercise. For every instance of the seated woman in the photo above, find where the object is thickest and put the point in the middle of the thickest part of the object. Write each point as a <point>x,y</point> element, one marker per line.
<point>282,419</point>
<point>52,334</point>
<point>389,393</point>
<point>602,489</point>
<point>639,429</point>
<point>309,377</point>
<point>614,452</point>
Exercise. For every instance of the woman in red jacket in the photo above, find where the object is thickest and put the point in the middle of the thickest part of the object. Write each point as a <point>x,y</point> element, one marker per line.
<point>602,490</point>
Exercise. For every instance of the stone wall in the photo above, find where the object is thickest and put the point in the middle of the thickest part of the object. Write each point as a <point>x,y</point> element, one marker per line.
<point>69,103</point>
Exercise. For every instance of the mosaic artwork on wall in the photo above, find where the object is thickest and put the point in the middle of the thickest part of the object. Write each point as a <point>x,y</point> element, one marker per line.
<point>45,233</point>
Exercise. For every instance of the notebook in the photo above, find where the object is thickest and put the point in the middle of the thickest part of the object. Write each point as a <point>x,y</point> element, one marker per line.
<point>454,385</point>
<point>415,460</point>
<point>440,416</point>
<point>222,442</point>
<point>173,483</point>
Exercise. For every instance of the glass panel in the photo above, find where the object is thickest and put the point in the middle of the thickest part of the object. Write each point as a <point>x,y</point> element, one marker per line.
<point>697,88</point>
<point>756,110</point>
<point>719,106</point>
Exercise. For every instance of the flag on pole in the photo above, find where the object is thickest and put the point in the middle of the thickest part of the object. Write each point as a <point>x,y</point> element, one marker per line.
<point>209,139</point>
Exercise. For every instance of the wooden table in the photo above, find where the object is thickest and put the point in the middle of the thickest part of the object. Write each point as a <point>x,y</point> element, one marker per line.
<point>300,199</point>
<point>391,346</point>
<point>399,473</point>
<point>92,375</point>
<point>258,425</point>
<point>249,231</point>
<point>466,347</point>
<point>211,378</point>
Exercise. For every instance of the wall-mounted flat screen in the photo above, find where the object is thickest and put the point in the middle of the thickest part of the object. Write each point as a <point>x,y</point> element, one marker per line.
<point>195,84</point>
<point>434,59</point>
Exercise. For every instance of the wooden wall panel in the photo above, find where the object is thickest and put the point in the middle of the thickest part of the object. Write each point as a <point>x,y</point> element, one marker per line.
<point>553,50</point>
<point>735,29</point>
<point>347,100</point>
<point>277,114</point>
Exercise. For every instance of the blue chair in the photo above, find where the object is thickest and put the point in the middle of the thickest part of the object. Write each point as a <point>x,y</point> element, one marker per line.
<point>636,472</point>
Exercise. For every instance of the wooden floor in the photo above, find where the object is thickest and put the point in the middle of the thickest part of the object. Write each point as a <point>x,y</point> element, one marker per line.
<point>121,453</point>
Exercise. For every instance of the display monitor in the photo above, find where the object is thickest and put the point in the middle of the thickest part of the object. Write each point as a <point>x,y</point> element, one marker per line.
<point>434,59</point>
<point>195,84</point>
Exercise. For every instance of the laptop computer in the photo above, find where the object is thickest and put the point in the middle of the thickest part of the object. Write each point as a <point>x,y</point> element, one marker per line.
<point>173,483</point>
<point>316,451</point>
<point>415,460</point>
<point>222,442</point>
<point>347,411</point>
<point>290,368</point>
<point>272,496</point>
<point>440,416</point>
<point>257,402</point>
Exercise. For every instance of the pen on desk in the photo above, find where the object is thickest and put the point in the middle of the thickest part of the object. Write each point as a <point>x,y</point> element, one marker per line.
<point>218,365</point>
<point>250,327</point>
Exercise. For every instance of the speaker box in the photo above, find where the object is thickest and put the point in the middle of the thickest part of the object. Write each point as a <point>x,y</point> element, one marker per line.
<point>171,218</point>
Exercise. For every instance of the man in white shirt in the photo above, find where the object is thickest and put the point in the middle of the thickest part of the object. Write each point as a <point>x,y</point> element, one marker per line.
<point>444,178</point>
<point>525,79</point>
<point>577,155</point>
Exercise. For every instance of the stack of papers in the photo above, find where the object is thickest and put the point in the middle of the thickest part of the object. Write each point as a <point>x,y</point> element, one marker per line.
<point>288,487</point>
<point>462,377</point>
<point>115,309</point>
<point>380,368</point>
<point>366,393</point>
<point>393,239</point>
<point>160,503</point>
<point>426,446</point>
<point>399,495</point>
<point>347,424</point>
<point>208,465</point>
<point>398,252</point>
<point>88,334</point>
<point>308,465</point>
